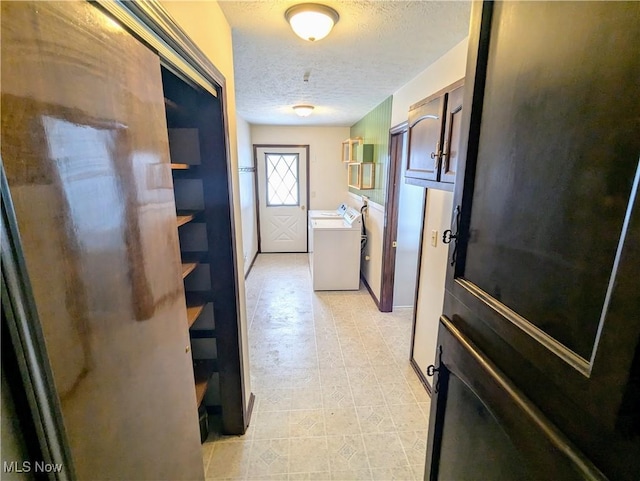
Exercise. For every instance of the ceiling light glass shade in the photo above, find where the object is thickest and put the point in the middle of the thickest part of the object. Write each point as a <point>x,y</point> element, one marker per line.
<point>311,21</point>
<point>303,110</point>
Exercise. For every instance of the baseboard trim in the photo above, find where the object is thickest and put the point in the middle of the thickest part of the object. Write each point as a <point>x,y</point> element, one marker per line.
<point>249,412</point>
<point>421,376</point>
<point>253,261</point>
<point>373,296</point>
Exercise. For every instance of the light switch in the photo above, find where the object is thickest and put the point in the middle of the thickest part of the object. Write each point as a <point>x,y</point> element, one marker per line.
<point>434,238</point>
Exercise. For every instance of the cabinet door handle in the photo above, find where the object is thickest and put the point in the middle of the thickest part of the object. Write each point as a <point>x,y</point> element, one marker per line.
<point>436,155</point>
<point>444,151</point>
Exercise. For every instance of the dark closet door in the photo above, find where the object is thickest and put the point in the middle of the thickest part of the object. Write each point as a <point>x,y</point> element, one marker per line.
<point>84,145</point>
<point>541,319</point>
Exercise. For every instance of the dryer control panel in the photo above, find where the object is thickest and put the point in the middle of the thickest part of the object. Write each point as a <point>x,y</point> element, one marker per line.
<point>352,216</point>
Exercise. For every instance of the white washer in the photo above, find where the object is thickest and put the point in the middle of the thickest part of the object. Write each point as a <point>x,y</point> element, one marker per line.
<point>334,252</point>
<point>328,214</point>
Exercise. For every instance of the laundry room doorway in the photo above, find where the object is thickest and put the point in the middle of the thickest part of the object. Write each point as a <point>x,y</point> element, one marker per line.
<point>282,187</point>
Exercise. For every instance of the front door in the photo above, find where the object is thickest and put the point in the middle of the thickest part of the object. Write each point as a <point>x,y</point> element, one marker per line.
<point>282,197</point>
<point>538,348</point>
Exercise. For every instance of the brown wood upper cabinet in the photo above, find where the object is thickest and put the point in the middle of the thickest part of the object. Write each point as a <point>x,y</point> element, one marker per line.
<point>434,134</point>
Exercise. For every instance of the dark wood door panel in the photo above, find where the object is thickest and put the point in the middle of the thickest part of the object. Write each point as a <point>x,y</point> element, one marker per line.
<point>545,279</point>
<point>425,139</point>
<point>477,410</point>
<point>555,165</point>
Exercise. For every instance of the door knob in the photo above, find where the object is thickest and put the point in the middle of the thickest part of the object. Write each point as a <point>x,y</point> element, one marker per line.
<point>302,207</point>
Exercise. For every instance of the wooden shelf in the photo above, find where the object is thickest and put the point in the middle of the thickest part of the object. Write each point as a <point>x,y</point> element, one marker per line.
<point>180,166</point>
<point>186,171</point>
<point>202,371</point>
<point>195,305</point>
<point>188,267</point>
<point>185,216</point>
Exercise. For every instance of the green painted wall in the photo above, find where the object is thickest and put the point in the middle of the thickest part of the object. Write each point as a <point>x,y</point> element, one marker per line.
<point>374,129</point>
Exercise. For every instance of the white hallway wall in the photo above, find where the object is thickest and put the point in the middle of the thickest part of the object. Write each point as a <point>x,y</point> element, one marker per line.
<point>247,194</point>
<point>327,173</point>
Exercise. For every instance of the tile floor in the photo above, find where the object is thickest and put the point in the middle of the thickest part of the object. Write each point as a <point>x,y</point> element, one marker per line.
<point>336,397</point>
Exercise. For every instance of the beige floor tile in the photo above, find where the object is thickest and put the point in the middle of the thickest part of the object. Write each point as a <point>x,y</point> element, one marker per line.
<point>332,379</point>
<point>426,408</point>
<point>385,451</point>
<point>348,331</point>
<point>316,476</point>
<point>408,417</point>
<point>308,455</point>
<point>389,474</point>
<point>269,477</point>
<point>207,449</point>
<point>375,419</point>
<point>389,374</point>
<point>229,460</point>
<point>333,376</point>
<point>381,357</point>
<point>347,453</point>
<point>367,394</point>
<point>419,391</point>
<point>363,374</point>
<point>273,400</point>
<point>330,358</point>
<point>341,421</point>
<point>397,393</point>
<point>306,399</point>
<point>268,380</point>
<point>352,345</point>
<point>269,457</point>
<point>303,378</point>
<point>415,446</point>
<point>371,336</point>
<point>418,471</point>
<point>359,475</point>
<point>337,396</point>
<point>355,359</point>
<point>271,425</point>
<point>306,423</point>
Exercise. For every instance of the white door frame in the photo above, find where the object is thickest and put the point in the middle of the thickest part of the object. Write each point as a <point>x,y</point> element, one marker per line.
<point>258,180</point>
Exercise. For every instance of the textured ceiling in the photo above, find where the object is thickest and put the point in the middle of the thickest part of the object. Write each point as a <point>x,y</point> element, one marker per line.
<point>375,48</point>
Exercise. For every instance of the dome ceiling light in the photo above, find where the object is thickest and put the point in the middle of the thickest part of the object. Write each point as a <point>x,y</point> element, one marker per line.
<point>303,110</point>
<point>311,21</point>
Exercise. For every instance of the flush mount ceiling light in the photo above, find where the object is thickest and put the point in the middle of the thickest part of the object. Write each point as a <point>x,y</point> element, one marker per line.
<point>311,21</point>
<point>303,110</point>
